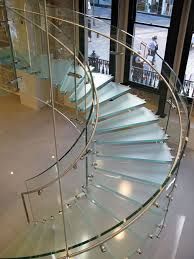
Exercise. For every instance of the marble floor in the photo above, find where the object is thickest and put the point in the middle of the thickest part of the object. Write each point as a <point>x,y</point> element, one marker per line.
<point>176,240</point>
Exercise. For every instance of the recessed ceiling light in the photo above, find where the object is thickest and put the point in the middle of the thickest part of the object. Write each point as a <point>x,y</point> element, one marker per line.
<point>11,172</point>
<point>53,156</point>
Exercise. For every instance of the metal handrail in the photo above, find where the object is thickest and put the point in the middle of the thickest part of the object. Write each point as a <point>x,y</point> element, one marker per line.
<point>137,214</point>
<point>130,49</point>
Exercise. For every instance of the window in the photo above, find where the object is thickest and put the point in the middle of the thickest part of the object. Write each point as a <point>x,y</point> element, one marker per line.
<point>189,74</point>
<point>100,8</point>
<point>150,28</point>
<point>154,11</point>
<point>99,46</point>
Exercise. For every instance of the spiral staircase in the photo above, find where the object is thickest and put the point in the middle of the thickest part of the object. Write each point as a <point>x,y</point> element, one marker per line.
<point>116,182</point>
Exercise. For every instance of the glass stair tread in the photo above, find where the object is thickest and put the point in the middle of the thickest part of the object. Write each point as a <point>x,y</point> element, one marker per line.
<point>138,117</point>
<point>133,238</point>
<point>99,80</point>
<point>125,243</point>
<point>151,172</point>
<point>116,248</point>
<point>59,69</point>
<point>124,176</point>
<point>144,134</point>
<point>83,87</point>
<point>117,206</point>
<point>120,105</point>
<point>68,83</point>
<point>82,91</point>
<point>77,227</point>
<point>135,192</point>
<point>152,152</point>
<point>148,223</point>
<point>39,239</point>
<point>12,248</point>
<point>110,91</point>
<point>94,216</point>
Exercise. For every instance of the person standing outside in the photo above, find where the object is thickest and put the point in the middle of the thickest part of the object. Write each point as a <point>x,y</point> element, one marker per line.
<point>137,64</point>
<point>152,49</point>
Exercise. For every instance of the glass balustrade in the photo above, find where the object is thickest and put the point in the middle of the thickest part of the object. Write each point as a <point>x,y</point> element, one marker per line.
<point>109,192</point>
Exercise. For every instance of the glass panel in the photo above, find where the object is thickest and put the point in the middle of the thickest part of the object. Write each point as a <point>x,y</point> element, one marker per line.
<point>97,55</point>
<point>145,34</point>
<point>157,12</point>
<point>100,8</point>
<point>189,75</point>
<point>7,68</point>
<point>152,47</point>
<point>117,198</point>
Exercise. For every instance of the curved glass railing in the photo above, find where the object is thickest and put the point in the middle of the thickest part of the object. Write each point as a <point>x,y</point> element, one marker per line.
<point>143,219</point>
<point>67,73</point>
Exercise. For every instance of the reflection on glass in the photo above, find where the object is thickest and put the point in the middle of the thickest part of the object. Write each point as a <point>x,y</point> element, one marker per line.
<point>155,38</point>
<point>98,46</point>
<point>160,11</point>
<point>100,8</point>
<point>125,188</point>
<point>120,236</point>
<point>189,74</point>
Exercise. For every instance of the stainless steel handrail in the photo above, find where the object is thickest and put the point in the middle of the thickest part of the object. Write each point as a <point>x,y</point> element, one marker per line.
<point>150,202</point>
<point>133,51</point>
<point>96,104</point>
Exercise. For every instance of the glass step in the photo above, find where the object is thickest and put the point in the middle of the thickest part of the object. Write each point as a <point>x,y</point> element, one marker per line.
<point>110,91</point>
<point>145,134</point>
<point>59,234</point>
<point>80,84</point>
<point>82,91</point>
<point>135,192</point>
<point>39,239</point>
<point>68,82</point>
<point>124,243</point>
<point>19,240</point>
<point>100,80</point>
<point>151,172</point>
<point>128,242</point>
<point>59,70</point>
<point>118,206</point>
<point>116,248</point>
<point>138,117</point>
<point>77,228</point>
<point>123,176</point>
<point>120,105</point>
<point>153,152</point>
<point>95,217</point>
<point>148,223</point>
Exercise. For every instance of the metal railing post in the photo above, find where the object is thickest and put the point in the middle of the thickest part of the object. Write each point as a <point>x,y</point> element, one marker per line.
<point>54,126</point>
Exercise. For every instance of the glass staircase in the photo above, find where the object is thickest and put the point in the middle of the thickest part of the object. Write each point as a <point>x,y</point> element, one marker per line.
<point>106,196</point>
